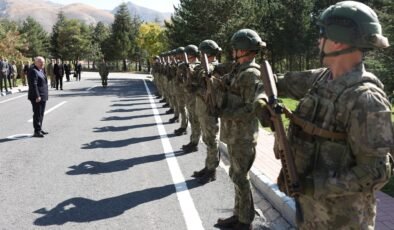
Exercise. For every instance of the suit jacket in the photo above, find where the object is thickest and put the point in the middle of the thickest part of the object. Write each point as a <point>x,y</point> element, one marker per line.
<point>58,70</point>
<point>38,84</point>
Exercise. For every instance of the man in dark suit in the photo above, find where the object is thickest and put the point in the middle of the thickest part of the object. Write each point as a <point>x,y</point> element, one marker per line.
<point>59,73</point>
<point>38,94</point>
<point>78,70</point>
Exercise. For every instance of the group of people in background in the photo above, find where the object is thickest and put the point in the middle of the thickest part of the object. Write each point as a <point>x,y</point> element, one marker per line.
<point>340,136</point>
<point>54,70</point>
<point>8,74</point>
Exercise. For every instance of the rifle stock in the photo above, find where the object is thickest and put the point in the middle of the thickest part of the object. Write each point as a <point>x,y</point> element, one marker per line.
<point>284,153</point>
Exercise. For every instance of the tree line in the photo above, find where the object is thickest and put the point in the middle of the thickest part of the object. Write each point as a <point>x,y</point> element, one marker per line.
<point>126,39</point>
<point>288,27</point>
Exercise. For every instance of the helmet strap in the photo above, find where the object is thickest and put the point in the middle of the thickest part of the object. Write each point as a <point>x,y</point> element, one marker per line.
<point>335,53</point>
<point>245,55</point>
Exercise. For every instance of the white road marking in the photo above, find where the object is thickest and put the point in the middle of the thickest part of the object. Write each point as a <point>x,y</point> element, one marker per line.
<point>91,88</point>
<point>19,136</point>
<point>11,99</point>
<point>51,109</point>
<point>190,214</point>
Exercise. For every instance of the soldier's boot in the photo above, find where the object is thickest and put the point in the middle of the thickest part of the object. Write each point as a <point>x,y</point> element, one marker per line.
<point>180,131</point>
<point>242,226</point>
<point>209,175</point>
<point>166,105</point>
<point>174,119</point>
<point>162,100</point>
<point>229,222</point>
<point>187,145</point>
<point>190,148</point>
<point>169,111</point>
<point>199,173</point>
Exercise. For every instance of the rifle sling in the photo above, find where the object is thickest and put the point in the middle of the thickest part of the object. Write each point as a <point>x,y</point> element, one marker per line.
<point>312,129</point>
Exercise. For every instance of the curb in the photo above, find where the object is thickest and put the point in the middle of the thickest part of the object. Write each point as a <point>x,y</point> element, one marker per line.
<point>282,203</point>
<point>15,90</point>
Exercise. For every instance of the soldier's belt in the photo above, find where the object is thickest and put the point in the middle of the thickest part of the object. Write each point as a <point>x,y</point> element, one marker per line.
<point>312,129</point>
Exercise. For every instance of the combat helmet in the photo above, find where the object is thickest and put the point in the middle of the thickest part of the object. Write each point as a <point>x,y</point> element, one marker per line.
<point>180,50</point>
<point>191,50</point>
<point>352,23</point>
<point>247,39</point>
<point>209,47</point>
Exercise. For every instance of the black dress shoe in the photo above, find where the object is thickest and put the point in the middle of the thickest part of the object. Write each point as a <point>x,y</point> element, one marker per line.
<point>43,132</point>
<point>38,135</point>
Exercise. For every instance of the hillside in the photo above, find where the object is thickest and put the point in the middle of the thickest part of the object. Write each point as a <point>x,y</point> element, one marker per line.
<point>45,12</point>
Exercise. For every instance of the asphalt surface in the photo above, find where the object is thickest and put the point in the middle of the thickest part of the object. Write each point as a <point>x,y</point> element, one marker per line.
<point>110,161</point>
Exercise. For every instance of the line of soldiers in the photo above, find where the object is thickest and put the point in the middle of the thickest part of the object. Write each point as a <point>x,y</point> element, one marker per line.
<point>341,134</point>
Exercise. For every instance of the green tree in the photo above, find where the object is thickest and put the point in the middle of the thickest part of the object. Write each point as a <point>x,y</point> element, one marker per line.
<point>123,31</point>
<point>71,39</point>
<point>36,37</point>
<point>151,39</point>
<point>54,40</point>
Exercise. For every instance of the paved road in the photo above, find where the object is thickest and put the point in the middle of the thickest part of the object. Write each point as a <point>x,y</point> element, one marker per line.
<point>110,161</point>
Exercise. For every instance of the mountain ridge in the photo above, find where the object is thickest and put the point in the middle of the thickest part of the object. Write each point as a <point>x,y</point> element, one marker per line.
<point>45,12</point>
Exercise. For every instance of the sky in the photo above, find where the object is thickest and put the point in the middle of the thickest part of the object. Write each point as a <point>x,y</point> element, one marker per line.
<point>159,5</point>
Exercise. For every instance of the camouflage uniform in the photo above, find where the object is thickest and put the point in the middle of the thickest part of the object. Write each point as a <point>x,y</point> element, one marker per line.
<point>172,88</point>
<point>180,79</point>
<point>239,130</point>
<point>340,176</point>
<point>190,98</point>
<point>103,71</point>
<point>50,73</point>
<point>156,74</point>
<point>208,121</point>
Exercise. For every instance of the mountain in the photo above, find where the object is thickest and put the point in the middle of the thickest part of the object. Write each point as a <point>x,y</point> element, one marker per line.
<point>146,14</point>
<point>45,12</point>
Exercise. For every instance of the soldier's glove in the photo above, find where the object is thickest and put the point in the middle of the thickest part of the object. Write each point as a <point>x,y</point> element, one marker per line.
<point>263,114</point>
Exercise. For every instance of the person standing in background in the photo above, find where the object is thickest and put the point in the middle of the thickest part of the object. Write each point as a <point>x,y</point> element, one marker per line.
<point>59,73</point>
<point>38,94</point>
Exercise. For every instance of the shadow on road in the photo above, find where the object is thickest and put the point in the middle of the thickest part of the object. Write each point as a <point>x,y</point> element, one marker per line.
<point>120,143</point>
<point>117,118</point>
<point>79,209</point>
<point>131,104</point>
<point>127,110</point>
<point>96,167</point>
<point>123,128</point>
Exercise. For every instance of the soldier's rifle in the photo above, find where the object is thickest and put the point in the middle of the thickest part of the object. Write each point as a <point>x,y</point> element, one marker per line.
<point>209,93</point>
<point>186,78</point>
<point>291,181</point>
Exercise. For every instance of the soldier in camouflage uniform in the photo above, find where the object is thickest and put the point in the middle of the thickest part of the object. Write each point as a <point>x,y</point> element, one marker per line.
<point>155,74</point>
<point>179,91</point>
<point>50,73</point>
<point>190,98</point>
<point>171,74</point>
<point>342,133</point>
<point>103,71</point>
<point>163,78</point>
<point>239,125</point>
<point>206,116</point>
